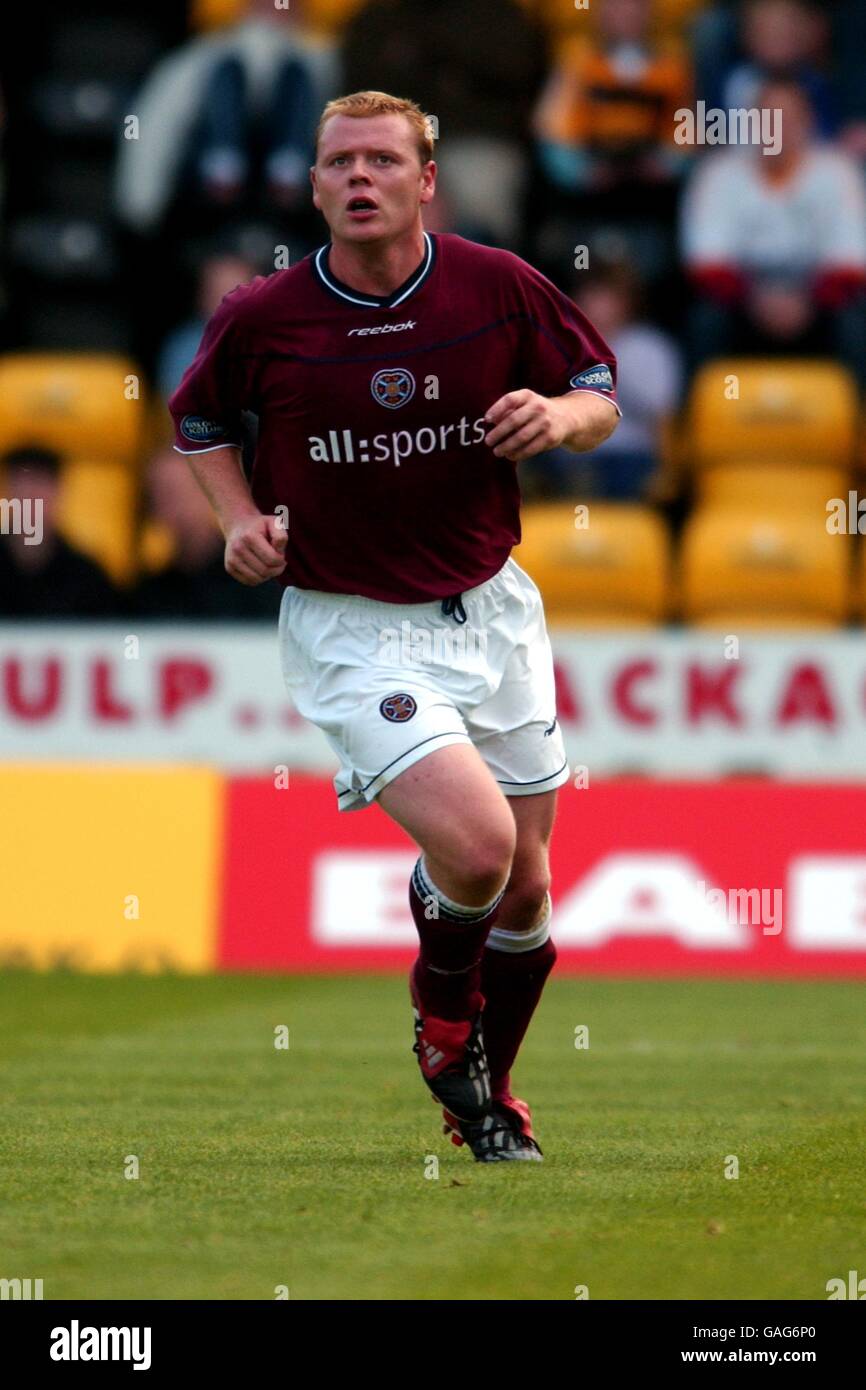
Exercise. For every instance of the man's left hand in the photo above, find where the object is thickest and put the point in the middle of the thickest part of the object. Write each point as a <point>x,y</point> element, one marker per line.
<point>524,424</point>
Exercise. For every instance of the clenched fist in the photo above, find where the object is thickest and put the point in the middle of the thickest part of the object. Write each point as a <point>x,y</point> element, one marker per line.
<point>255,549</point>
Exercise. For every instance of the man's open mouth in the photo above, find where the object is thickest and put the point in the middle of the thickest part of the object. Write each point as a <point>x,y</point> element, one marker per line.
<point>362,205</point>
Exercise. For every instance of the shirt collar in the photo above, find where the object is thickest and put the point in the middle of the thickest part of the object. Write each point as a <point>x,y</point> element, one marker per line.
<point>409,286</point>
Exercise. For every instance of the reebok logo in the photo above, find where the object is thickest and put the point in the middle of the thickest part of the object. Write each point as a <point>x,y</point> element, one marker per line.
<point>382,328</point>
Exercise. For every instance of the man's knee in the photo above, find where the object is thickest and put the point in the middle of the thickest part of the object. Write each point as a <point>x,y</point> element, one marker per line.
<point>480,859</point>
<point>525,900</point>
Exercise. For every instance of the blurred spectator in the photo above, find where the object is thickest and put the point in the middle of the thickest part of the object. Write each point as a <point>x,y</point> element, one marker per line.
<point>41,574</point>
<point>218,276</point>
<point>649,387</point>
<point>192,581</point>
<point>606,118</point>
<point>775,245</point>
<point>782,39</point>
<point>477,69</point>
<point>715,48</point>
<point>220,110</point>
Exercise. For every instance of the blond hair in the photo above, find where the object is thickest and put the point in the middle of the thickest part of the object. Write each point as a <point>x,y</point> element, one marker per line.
<point>382,104</point>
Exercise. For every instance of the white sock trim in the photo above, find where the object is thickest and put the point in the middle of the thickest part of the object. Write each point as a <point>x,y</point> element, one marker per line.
<point>516,942</point>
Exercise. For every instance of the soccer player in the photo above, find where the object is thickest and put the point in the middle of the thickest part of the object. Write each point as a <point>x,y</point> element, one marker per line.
<point>400,378</point>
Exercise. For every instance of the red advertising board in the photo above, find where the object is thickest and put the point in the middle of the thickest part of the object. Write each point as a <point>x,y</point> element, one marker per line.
<point>742,877</point>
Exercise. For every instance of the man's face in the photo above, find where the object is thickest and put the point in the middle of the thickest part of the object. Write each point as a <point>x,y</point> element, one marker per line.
<point>368,180</point>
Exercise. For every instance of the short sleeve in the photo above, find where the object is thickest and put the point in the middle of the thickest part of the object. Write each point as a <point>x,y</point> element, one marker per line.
<point>206,407</point>
<point>563,352</point>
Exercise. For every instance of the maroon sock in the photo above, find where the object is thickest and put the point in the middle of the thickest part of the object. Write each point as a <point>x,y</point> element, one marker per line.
<point>446,974</point>
<point>511,982</point>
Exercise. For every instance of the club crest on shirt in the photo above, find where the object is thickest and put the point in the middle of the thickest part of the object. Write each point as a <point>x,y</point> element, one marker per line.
<point>393,387</point>
<point>599,377</point>
<point>200,430</point>
<point>398,708</point>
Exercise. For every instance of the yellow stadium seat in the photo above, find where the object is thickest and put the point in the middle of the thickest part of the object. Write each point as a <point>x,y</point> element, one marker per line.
<point>76,403</point>
<point>783,411</point>
<point>772,489</point>
<point>740,568</point>
<point>96,513</point>
<point>613,571</point>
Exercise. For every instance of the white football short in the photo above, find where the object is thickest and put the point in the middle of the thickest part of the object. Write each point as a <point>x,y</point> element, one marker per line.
<point>388,683</point>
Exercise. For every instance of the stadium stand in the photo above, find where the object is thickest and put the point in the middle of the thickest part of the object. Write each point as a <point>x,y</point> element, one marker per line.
<point>739,568</point>
<point>744,470</point>
<point>87,405</point>
<point>770,488</point>
<point>605,565</point>
<point>743,411</point>
<point>89,408</point>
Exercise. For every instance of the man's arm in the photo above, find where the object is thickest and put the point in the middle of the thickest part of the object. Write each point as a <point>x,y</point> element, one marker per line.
<point>588,420</point>
<point>523,424</point>
<point>255,543</point>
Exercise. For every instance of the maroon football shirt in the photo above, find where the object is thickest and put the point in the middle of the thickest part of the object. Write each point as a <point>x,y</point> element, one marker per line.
<point>371,409</point>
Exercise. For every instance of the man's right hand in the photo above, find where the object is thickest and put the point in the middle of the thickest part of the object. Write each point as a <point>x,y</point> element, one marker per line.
<point>255,549</point>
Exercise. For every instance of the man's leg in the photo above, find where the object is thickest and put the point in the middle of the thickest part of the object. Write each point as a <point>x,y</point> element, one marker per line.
<point>519,953</point>
<point>451,806</point>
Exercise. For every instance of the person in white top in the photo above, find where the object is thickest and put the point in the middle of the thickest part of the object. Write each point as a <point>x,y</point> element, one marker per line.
<point>197,106</point>
<point>775,245</point>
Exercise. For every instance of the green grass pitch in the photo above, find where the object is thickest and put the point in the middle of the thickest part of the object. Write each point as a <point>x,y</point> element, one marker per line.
<point>305,1167</point>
